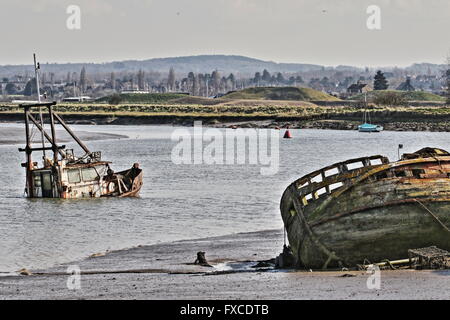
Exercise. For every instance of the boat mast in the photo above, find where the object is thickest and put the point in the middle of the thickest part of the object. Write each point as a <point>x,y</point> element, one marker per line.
<point>36,71</point>
<point>365,107</point>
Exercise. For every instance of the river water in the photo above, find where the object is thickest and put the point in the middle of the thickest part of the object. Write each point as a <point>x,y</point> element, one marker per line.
<point>177,201</point>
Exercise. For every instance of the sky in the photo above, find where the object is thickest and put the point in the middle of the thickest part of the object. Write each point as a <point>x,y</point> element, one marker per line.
<point>325,32</point>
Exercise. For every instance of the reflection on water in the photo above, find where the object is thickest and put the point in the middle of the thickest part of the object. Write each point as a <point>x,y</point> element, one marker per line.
<point>177,201</point>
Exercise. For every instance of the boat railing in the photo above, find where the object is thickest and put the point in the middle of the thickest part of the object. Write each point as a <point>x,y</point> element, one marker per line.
<point>327,180</point>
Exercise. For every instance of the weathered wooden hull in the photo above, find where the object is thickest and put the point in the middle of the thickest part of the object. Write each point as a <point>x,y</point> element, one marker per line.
<point>373,216</point>
<point>133,190</point>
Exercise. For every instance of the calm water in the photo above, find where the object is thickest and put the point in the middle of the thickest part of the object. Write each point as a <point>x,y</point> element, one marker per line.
<point>177,201</point>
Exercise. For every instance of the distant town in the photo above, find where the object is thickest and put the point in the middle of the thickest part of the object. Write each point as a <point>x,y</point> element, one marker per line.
<point>89,82</point>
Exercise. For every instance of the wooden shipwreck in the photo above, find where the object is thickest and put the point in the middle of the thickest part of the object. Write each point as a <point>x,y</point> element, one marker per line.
<point>369,209</point>
<point>63,175</point>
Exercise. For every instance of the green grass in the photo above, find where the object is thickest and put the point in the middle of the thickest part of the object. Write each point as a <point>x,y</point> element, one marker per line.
<point>255,109</point>
<point>145,97</point>
<point>262,93</point>
<point>265,109</point>
<point>406,95</point>
<point>281,93</point>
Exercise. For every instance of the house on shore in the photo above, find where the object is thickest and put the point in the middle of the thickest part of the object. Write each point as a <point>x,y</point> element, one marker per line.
<point>358,88</point>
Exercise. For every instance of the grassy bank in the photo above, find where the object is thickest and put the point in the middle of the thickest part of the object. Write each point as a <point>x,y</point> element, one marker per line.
<point>281,93</point>
<point>279,109</point>
<point>339,115</point>
<point>405,96</point>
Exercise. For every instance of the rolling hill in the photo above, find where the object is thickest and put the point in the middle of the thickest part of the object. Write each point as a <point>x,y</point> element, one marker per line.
<point>198,64</point>
<point>281,93</point>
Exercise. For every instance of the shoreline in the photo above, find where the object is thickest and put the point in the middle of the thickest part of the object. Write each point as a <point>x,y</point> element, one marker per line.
<point>238,122</point>
<point>15,136</point>
<point>166,271</point>
<point>272,114</point>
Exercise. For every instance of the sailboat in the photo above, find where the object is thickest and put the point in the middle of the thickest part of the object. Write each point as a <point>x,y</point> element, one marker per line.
<point>367,126</point>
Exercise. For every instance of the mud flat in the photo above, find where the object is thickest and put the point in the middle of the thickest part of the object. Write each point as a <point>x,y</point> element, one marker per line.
<point>165,271</point>
<point>10,135</point>
<point>431,118</point>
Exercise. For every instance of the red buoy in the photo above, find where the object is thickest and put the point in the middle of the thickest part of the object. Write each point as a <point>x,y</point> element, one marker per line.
<point>287,134</point>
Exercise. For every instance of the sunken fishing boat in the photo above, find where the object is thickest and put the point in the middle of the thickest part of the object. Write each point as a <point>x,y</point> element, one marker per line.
<point>64,175</point>
<point>367,210</point>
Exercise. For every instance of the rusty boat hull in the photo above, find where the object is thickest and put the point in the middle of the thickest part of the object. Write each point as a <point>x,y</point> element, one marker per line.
<point>338,216</point>
<point>65,175</point>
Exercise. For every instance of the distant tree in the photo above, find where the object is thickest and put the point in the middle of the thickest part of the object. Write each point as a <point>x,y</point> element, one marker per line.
<point>232,80</point>
<point>83,80</point>
<point>207,84</point>
<point>132,82</point>
<point>257,79</point>
<point>184,85</point>
<point>280,78</point>
<point>5,79</point>
<point>390,99</point>
<point>115,99</point>
<point>112,80</point>
<point>291,80</point>
<point>299,79</point>
<point>190,82</point>
<point>74,77</point>
<point>223,84</point>
<point>347,82</point>
<point>11,88</point>
<point>273,80</point>
<point>201,84</point>
<point>314,83</point>
<point>140,79</point>
<point>171,80</point>
<point>266,76</point>
<point>195,86</point>
<point>325,82</point>
<point>215,77</point>
<point>30,88</point>
<point>380,82</point>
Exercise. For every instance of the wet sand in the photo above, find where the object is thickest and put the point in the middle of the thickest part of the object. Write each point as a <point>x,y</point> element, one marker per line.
<point>11,135</point>
<point>165,271</point>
